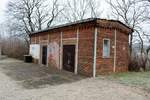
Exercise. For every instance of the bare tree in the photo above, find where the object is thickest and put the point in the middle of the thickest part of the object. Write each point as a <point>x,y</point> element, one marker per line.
<point>56,10</point>
<point>80,9</point>
<point>132,13</point>
<point>28,16</point>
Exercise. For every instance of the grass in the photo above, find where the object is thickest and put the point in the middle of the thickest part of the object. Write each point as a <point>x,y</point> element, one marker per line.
<point>136,79</point>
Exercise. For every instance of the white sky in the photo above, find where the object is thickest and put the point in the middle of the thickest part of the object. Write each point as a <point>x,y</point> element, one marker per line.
<point>103,7</point>
<point>3,4</point>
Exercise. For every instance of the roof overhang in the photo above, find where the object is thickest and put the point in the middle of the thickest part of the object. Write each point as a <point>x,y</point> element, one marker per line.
<point>94,21</point>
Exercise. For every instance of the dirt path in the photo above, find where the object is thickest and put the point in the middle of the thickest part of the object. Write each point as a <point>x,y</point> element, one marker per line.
<point>16,77</point>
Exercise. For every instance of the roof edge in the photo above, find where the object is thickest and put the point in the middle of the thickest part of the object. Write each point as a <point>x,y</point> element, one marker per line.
<point>79,22</point>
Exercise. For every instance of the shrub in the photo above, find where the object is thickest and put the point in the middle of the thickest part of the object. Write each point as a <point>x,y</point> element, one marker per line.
<point>139,62</point>
<point>14,47</point>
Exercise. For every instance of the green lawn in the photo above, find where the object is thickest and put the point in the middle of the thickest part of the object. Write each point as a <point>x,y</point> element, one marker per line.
<point>137,79</point>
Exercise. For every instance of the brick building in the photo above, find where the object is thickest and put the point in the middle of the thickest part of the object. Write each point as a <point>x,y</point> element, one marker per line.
<point>89,47</point>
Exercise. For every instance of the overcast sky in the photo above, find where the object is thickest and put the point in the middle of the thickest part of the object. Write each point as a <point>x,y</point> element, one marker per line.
<point>3,4</point>
<point>103,6</point>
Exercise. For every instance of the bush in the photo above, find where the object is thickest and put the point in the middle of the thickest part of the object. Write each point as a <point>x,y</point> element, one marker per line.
<point>133,64</point>
<point>14,47</point>
<point>139,62</point>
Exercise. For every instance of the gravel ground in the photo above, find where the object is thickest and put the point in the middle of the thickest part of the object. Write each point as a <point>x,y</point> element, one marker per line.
<point>21,81</point>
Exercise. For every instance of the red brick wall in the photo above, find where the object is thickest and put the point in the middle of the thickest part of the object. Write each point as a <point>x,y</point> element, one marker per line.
<point>85,52</point>
<point>43,38</point>
<point>37,39</point>
<point>86,40</point>
<point>71,33</point>
<point>106,65</point>
<point>122,52</point>
<point>86,44</point>
<point>33,38</point>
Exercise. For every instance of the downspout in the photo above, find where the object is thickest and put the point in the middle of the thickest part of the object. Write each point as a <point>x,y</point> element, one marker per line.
<point>115,41</point>
<point>40,62</point>
<point>61,47</point>
<point>95,53</point>
<point>48,49</point>
<point>76,57</point>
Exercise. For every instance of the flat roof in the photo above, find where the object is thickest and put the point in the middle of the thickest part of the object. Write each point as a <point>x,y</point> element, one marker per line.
<point>78,22</point>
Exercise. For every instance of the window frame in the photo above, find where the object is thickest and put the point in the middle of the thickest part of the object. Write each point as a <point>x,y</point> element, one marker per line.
<point>108,48</point>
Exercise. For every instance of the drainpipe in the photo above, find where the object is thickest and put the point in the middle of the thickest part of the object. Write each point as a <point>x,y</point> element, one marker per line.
<point>95,53</point>
<point>48,49</point>
<point>115,41</point>
<point>61,47</point>
<point>76,57</point>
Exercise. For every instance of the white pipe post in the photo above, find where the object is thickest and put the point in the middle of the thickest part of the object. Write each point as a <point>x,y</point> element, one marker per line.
<point>0,49</point>
<point>95,52</point>
<point>48,41</point>
<point>61,47</point>
<point>47,55</point>
<point>76,57</point>
<point>114,69</point>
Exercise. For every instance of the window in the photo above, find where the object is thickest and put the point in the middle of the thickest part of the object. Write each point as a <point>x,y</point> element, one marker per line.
<point>106,48</point>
